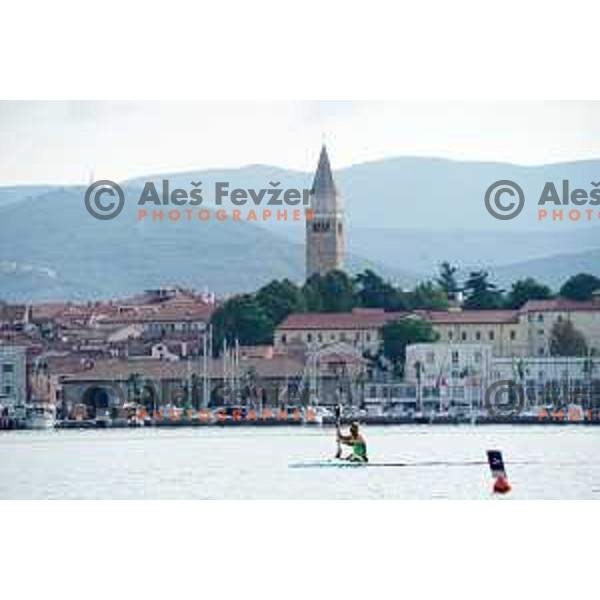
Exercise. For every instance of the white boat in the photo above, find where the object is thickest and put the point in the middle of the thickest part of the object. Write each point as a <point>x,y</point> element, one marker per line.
<point>317,415</point>
<point>40,416</point>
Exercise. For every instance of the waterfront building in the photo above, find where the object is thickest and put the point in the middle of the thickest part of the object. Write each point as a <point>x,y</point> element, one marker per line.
<point>359,329</point>
<point>556,380</point>
<point>447,365</point>
<point>448,375</point>
<point>541,315</point>
<point>240,377</point>
<point>523,333</point>
<point>13,381</point>
<point>462,373</point>
<point>503,330</point>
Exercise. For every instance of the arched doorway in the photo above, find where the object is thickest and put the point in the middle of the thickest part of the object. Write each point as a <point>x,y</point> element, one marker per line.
<point>96,399</point>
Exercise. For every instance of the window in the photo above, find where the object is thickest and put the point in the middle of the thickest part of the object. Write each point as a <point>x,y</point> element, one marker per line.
<point>284,339</point>
<point>455,357</point>
<point>319,337</point>
<point>463,336</point>
<point>478,335</point>
<point>477,357</point>
<point>8,368</point>
<point>491,336</point>
<point>309,337</point>
<point>540,318</point>
<point>449,335</point>
<point>8,390</point>
<point>513,335</point>
<point>559,319</point>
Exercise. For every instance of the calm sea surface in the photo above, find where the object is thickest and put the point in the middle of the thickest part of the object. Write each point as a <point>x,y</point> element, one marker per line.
<point>542,462</point>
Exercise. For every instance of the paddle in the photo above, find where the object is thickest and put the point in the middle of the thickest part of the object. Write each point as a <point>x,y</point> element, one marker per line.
<point>338,420</point>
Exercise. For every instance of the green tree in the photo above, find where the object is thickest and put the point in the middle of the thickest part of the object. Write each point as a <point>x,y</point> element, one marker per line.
<point>134,383</point>
<point>397,335</point>
<point>333,292</point>
<point>241,318</point>
<point>311,294</point>
<point>372,291</point>
<point>566,340</point>
<point>427,296</point>
<point>446,280</point>
<point>480,293</point>
<point>580,287</point>
<point>527,289</point>
<point>196,390</point>
<point>280,298</point>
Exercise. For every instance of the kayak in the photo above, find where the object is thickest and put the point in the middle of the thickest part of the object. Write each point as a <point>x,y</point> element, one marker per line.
<point>341,464</point>
<point>334,463</point>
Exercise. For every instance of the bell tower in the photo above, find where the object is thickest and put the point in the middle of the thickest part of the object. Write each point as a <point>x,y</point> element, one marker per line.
<point>325,234</point>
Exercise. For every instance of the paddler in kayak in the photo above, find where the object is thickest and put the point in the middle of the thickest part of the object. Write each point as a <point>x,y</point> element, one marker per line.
<point>356,441</point>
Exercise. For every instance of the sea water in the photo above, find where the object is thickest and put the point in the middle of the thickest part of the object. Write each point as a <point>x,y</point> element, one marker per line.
<point>254,463</point>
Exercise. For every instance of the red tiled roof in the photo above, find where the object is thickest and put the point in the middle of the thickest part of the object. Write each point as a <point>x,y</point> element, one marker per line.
<point>473,316</point>
<point>376,319</point>
<point>183,305</point>
<point>159,313</point>
<point>358,319</point>
<point>119,370</point>
<point>67,311</point>
<point>559,304</point>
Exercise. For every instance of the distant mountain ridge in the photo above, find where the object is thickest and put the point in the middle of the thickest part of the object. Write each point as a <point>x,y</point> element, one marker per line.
<point>413,192</point>
<point>404,217</point>
<point>552,270</point>
<point>51,248</point>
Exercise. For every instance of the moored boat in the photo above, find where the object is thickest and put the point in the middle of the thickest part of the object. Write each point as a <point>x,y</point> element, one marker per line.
<point>40,415</point>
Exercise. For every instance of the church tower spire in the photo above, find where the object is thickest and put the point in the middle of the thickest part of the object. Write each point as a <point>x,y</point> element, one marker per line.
<point>324,235</point>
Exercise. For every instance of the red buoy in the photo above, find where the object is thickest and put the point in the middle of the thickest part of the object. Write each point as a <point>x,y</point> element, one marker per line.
<point>501,485</point>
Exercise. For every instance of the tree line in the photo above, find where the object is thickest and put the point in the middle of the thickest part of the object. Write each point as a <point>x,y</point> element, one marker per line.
<point>252,318</point>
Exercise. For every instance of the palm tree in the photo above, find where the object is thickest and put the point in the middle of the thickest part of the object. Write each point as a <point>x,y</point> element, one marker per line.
<point>249,379</point>
<point>588,369</point>
<point>196,387</point>
<point>148,390</point>
<point>133,388</point>
<point>359,387</point>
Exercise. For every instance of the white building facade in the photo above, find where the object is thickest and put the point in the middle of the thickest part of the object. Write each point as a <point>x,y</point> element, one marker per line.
<point>13,380</point>
<point>460,374</point>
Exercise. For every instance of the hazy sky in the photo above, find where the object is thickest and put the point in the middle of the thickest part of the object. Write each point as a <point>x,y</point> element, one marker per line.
<point>66,142</point>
